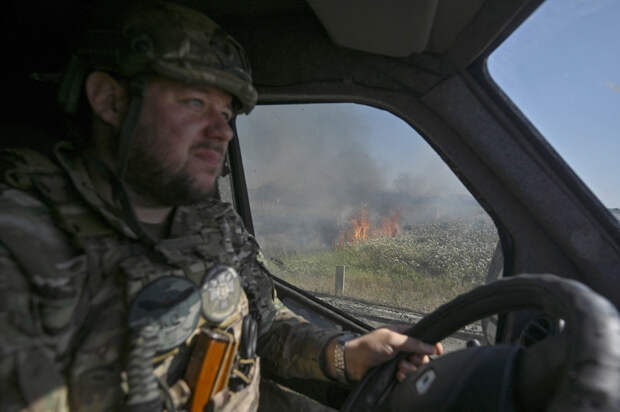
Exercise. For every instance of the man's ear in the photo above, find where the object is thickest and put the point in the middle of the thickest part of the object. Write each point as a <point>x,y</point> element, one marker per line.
<point>107,98</point>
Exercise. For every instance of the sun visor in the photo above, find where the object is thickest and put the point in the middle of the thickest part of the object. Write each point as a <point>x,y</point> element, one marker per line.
<point>395,28</point>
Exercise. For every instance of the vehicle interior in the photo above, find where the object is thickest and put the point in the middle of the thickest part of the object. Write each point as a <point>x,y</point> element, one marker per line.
<point>423,61</point>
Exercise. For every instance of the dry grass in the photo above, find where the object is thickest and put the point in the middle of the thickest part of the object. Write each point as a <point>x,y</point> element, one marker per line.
<point>419,269</point>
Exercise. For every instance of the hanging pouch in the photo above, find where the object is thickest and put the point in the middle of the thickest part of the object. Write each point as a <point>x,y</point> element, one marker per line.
<point>163,315</point>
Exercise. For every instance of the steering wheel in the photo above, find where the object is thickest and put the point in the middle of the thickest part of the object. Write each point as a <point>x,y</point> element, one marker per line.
<point>577,370</point>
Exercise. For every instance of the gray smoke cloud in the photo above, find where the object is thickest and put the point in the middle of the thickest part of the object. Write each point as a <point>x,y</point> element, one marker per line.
<point>310,168</point>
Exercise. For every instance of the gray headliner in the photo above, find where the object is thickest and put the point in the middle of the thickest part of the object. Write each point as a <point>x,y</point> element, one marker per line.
<point>397,28</point>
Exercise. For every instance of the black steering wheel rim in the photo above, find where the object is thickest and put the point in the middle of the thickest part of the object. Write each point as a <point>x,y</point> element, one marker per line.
<point>590,370</point>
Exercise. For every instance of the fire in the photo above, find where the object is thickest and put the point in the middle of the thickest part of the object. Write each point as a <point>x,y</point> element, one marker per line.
<point>360,225</point>
<point>360,229</point>
<point>389,226</point>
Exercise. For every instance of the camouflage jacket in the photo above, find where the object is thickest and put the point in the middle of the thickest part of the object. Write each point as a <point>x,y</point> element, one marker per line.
<point>70,265</point>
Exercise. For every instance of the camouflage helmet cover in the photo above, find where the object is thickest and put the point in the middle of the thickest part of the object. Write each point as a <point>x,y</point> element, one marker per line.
<point>162,38</point>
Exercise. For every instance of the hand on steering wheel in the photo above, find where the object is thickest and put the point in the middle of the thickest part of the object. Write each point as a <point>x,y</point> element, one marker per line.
<point>578,370</point>
<point>382,345</point>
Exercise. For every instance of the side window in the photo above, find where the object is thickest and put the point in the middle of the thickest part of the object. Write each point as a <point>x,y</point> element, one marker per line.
<point>352,205</point>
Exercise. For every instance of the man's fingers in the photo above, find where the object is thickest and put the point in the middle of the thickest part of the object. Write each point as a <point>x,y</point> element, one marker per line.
<point>383,344</point>
<point>439,348</point>
<point>407,367</point>
<point>404,369</point>
<point>418,359</point>
<point>398,327</point>
<point>408,344</point>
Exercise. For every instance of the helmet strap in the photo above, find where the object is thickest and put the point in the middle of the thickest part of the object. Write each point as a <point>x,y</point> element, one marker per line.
<point>71,84</point>
<point>137,87</point>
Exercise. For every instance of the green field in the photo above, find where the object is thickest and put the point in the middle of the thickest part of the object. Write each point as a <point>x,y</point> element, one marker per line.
<point>422,267</point>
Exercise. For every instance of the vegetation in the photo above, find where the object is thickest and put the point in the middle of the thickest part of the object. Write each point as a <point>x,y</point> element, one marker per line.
<point>420,268</point>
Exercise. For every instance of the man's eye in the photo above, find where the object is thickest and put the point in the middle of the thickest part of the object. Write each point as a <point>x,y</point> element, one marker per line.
<point>196,103</point>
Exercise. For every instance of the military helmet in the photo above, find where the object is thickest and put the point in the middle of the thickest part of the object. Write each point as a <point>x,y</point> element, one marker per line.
<point>166,39</point>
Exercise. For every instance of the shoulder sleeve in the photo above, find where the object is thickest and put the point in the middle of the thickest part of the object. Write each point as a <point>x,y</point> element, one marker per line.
<point>29,375</point>
<point>40,286</point>
<point>18,165</point>
<point>47,313</point>
<point>288,344</point>
<point>53,268</point>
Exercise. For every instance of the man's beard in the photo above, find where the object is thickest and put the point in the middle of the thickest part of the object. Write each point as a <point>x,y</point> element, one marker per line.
<point>156,185</point>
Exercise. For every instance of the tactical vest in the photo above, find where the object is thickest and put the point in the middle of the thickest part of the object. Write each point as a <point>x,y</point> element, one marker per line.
<point>157,328</point>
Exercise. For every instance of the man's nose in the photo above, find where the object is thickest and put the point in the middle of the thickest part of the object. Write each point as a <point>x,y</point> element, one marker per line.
<point>218,126</point>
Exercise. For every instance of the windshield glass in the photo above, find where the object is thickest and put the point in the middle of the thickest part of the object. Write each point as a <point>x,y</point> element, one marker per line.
<point>352,205</point>
<point>562,69</point>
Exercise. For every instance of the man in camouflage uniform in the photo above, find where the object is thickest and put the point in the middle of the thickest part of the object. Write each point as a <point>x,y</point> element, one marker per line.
<point>116,259</point>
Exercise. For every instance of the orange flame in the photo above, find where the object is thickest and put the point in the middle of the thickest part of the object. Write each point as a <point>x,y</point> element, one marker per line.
<point>359,228</point>
<point>389,226</point>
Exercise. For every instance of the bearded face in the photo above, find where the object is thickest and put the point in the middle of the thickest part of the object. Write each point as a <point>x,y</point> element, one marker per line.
<point>180,143</point>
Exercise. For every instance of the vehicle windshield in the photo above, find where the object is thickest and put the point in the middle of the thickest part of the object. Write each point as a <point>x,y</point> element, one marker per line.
<point>561,68</point>
<point>352,205</point>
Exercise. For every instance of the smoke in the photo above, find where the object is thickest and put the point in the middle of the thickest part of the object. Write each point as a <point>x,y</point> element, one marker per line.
<point>310,168</point>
